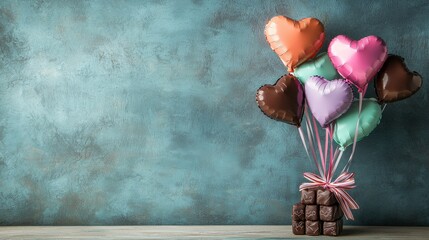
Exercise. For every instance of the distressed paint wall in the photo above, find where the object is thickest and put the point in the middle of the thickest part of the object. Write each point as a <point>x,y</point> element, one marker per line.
<point>143,112</point>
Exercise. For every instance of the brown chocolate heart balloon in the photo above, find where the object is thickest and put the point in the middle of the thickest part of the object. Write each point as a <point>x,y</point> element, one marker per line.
<point>283,101</point>
<point>395,82</point>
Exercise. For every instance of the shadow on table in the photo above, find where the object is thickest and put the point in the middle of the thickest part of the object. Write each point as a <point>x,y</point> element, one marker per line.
<point>356,231</point>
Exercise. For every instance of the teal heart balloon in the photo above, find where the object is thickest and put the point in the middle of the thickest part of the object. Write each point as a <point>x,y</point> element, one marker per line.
<point>319,66</point>
<point>345,125</point>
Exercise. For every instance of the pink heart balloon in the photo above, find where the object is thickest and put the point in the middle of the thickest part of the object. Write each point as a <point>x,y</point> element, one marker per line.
<point>328,99</point>
<point>357,61</point>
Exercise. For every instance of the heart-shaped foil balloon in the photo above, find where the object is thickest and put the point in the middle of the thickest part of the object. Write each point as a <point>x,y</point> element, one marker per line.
<point>357,61</point>
<point>345,126</point>
<point>283,101</point>
<point>294,41</point>
<point>395,81</point>
<point>319,66</point>
<point>327,99</point>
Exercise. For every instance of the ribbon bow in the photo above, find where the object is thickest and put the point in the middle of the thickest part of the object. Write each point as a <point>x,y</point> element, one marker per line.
<point>338,187</point>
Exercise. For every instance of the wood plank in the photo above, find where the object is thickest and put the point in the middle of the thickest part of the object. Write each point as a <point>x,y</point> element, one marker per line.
<point>198,232</point>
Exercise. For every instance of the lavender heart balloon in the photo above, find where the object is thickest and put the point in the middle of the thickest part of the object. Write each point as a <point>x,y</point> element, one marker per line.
<point>328,99</point>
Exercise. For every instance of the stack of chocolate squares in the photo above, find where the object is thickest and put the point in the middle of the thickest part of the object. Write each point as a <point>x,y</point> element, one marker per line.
<point>317,213</point>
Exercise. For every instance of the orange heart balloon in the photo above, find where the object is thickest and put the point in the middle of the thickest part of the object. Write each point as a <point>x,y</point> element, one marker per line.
<point>294,41</point>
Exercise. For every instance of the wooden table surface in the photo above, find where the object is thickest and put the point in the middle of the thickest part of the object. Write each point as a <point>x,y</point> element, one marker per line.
<point>200,232</point>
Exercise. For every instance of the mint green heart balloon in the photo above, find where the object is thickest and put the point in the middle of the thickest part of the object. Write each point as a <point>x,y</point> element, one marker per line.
<point>320,65</point>
<point>345,125</point>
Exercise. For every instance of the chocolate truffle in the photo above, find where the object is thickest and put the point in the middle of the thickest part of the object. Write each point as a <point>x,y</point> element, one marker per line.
<point>298,227</point>
<point>312,212</point>
<point>298,212</point>
<point>333,228</point>
<point>308,196</point>
<point>325,197</point>
<point>313,228</point>
<point>330,213</point>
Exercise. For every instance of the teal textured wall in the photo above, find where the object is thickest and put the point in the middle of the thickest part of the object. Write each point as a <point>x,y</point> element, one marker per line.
<point>143,112</point>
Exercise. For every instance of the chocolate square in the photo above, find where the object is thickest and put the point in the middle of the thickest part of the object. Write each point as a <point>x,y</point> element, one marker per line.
<point>330,213</point>
<point>312,212</point>
<point>298,212</point>
<point>325,197</point>
<point>313,228</point>
<point>308,196</point>
<point>298,227</point>
<point>333,228</point>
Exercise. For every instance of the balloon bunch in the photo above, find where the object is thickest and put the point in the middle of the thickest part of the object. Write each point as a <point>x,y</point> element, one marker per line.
<point>322,84</point>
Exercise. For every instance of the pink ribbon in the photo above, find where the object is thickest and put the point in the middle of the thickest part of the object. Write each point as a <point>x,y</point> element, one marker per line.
<point>327,166</point>
<point>344,182</point>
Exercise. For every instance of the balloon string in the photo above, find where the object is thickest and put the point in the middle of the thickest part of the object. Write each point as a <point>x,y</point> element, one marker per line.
<point>326,148</point>
<point>337,151</point>
<point>319,145</point>
<point>347,166</point>
<point>307,116</point>
<point>311,138</point>
<point>331,155</point>
<point>384,106</point>
<point>332,142</point>
<point>337,161</point>
<point>301,134</point>
<point>310,141</point>
<point>309,130</point>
